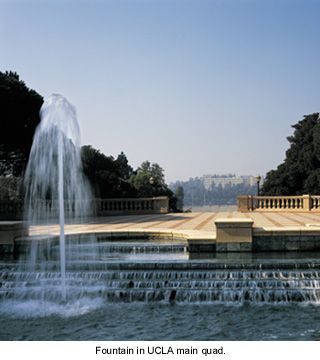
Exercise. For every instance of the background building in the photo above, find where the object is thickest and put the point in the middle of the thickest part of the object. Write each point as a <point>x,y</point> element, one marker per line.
<point>224,180</point>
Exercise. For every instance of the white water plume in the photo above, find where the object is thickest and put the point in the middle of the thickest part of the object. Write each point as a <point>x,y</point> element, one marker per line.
<point>55,156</point>
<point>55,185</point>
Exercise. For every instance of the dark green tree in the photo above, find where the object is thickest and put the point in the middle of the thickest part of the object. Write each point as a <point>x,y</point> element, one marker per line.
<point>148,180</point>
<point>108,177</point>
<point>179,194</point>
<point>19,116</point>
<point>300,171</point>
<point>123,168</point>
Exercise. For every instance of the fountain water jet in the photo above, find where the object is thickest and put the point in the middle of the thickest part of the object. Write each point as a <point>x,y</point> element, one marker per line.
<point>54,180</point>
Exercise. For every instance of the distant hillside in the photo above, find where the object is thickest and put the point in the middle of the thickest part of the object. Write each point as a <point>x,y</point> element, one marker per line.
<point>215,189</point>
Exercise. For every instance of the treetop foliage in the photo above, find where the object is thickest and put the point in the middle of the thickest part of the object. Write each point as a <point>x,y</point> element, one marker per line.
<point>19,116</point>
<point>108,176</point>
<point>300,171</point>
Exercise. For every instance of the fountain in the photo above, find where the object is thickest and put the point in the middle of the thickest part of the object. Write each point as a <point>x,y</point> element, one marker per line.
<point>54,178</point>
<point>86,277</point>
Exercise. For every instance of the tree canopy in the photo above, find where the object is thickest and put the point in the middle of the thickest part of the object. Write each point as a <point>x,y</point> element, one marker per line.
<point>115,178</point>
<point>108,176</point>
<point>19,114</point>
<point>148,180</point>
<point>300,171</point>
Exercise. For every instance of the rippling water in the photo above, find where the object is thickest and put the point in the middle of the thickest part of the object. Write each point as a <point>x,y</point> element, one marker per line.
<point>98,321</point>
<point>157,292</point>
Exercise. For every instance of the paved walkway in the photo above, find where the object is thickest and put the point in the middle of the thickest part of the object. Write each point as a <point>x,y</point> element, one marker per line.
<point>197,225</point>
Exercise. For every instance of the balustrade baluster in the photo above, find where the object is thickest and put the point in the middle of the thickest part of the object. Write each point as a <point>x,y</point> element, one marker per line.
<point>99,207</point>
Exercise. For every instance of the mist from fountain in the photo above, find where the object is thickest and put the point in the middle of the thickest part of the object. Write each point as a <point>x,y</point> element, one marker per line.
<point>54,181</point>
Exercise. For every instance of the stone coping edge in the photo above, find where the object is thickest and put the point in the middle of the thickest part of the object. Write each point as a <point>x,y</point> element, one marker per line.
<point>233,223</point>
<point>285,232</point>
<point>113,235</point>
<point>234,220</point>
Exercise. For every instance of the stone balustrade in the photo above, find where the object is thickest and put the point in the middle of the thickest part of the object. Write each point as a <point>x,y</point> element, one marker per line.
<point>13,210</point>
<point>154,205</point>
<point>279,203</point>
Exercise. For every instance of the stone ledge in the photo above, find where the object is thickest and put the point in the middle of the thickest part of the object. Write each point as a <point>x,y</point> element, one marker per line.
<point>201,246</point>
<point>10,231</point>
<point>234,223</point>
<point>286,242</point>
<point>233,231</point>
<point>234,247</point>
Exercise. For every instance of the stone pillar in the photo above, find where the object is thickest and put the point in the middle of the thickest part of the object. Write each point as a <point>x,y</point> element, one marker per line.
<point>9,232</point>
<point>165,205</point>
<point>244,203</point>
<point>233,235</point>
<point>307,205</point>
<point>161,205</point>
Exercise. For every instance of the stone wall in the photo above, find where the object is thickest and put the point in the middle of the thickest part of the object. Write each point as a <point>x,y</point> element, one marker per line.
<point>13,210</point>
<point>299,242</point>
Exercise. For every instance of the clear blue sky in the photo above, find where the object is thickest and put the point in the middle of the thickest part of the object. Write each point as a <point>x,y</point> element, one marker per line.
<point>197,86</point>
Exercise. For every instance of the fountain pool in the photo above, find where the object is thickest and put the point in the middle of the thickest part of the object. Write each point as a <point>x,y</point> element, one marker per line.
<point>153,290</point>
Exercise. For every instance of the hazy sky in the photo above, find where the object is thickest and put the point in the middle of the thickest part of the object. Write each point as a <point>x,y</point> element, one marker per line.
<point>197,86</point>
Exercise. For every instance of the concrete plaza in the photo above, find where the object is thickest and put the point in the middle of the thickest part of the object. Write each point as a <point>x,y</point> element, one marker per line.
<point>196,225</point>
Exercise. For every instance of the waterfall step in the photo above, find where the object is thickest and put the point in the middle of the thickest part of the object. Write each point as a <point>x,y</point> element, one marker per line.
<point>188,282</point>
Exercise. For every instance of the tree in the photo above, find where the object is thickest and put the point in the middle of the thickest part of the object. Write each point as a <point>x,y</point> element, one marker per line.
<point>179,194</point>
<point>19,114</point>
<point>108,177</point>
<point>300,171</point>
<point>123,168</point>
<point>10,188</point>
<point>148,180</point>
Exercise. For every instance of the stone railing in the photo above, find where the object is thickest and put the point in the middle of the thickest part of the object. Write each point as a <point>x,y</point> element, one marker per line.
<point>155,205</point>
<point>13,210</point>
<point>279,203</point>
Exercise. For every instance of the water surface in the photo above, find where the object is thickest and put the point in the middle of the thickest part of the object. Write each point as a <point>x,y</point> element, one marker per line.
<point>157,291</point>
<point>139,321</point>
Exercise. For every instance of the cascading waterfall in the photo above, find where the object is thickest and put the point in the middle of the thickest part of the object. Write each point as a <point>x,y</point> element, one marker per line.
<point>184,281</point>
<point>119,271</point>
<point>54,181</point>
